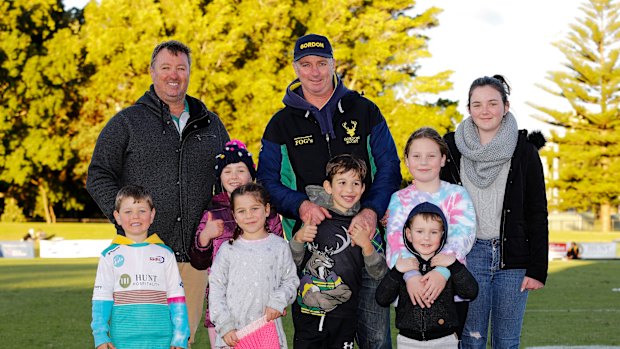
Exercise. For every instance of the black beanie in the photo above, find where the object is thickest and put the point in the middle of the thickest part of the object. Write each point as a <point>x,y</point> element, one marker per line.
<point>234,151</point>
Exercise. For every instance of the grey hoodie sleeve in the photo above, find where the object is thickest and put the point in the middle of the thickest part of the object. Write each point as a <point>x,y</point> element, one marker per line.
<point>376,266</point>
<point>298,249</point>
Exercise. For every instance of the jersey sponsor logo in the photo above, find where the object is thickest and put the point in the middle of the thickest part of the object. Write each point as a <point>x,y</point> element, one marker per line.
<point>124,280</point>
<point>303,140</point>
<point>118,261</point>
<point>146,280</point>
<point>352,138</point>
<point>157,259</point>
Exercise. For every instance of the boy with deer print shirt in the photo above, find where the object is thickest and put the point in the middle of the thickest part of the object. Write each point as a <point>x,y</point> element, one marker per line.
<point>330,258</point>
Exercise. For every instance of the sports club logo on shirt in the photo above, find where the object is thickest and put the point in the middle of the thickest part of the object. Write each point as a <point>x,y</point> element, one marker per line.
<point>124,280</point>
<point>352,138</point>
<point>118,261</point>
<point>303,140</point>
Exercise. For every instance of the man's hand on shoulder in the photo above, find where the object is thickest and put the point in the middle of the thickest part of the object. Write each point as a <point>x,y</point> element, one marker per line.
<point>359,237</point>
<point>366,217</point>
<point>311,213</point>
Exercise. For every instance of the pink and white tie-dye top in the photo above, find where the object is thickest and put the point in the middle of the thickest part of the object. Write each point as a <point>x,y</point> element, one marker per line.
<point>456,206</point>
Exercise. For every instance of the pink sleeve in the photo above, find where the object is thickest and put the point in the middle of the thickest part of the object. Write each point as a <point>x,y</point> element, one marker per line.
<point>274,223</point>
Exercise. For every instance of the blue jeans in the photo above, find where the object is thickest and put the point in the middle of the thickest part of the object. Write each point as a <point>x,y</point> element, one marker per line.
<point>373,320</point>
<point>499,300</point>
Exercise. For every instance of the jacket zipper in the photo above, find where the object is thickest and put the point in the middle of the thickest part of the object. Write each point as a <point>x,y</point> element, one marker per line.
<point>329,149</point>
<point>423,316</point>
<point>185,257</point>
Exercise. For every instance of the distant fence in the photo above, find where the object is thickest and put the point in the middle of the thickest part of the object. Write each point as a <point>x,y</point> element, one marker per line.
<point>587,250</point>
<point>578,222</point>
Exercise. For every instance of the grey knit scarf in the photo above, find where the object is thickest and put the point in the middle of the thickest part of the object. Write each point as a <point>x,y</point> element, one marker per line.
<point>482,163</point>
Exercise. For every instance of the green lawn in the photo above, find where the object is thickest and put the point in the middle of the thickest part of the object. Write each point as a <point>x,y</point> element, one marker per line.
<point>46,304</point>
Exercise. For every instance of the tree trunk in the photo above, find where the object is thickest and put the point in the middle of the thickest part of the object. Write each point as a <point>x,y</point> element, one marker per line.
<point>605,213</point>
<point>52,214</point>
<point>45,203</point>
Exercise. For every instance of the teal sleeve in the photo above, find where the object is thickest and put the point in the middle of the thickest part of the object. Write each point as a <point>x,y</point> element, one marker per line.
<point>102,311</point>
<point>180,324</point>
<point>443,271</point>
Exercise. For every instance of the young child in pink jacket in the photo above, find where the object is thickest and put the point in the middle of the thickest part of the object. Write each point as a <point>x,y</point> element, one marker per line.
<point>234,168</point>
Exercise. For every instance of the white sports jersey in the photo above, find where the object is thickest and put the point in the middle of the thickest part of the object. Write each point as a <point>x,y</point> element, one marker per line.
<point>143,282</point>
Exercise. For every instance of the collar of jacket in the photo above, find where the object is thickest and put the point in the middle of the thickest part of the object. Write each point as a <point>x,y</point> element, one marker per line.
<point>198,112</point>
<point>220,200</point>
<point>123,240</point>
<point>318,195</point>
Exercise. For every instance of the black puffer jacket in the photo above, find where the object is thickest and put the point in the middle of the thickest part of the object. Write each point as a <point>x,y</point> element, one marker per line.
<point>438,321</point>
<point>141,145</point>
<point>524,230</point>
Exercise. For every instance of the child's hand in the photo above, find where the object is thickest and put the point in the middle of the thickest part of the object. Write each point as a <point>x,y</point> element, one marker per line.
<point>307,233</point>
<point>231,338</point>
<point>367,216</point>
<point>406,264</point>
<point>384,220</point>
<point>359,236</point>
<point>213,229</point>
<point>271,314</point>
<point>415,288</point>
<point>442,260</point>
<point>107,345</point>
<point>434,284</point>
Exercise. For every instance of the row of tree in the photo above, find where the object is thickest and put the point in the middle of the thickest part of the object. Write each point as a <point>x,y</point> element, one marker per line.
<point>63,74</point>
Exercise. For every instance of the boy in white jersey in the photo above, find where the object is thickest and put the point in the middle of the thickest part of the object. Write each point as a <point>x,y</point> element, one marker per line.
<point>138,298</point>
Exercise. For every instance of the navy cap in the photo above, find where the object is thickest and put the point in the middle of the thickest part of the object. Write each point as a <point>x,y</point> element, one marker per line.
<point>312,45</point>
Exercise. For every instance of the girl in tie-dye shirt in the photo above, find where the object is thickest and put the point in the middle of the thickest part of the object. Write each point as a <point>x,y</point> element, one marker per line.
<point>425,155</point>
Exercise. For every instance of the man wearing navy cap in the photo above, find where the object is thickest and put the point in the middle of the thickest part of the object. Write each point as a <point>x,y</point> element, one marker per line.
<point>322,119</point>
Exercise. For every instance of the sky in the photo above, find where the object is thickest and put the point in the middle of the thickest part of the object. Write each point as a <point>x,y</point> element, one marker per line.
<point>512,38</point>
<point>486,37</point>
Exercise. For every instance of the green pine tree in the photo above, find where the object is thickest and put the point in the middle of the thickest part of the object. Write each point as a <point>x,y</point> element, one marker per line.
<point>588,147</point>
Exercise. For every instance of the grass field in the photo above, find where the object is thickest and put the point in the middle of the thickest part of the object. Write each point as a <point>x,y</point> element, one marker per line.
<point>45,303</point>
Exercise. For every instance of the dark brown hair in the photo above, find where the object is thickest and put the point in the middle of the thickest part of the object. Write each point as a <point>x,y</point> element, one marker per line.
<point>135,192</point>
<point>344,163</point>
<point>175,47</point>
<point>258,192</point>
<point>496,81</point>
<point>430,133</point>
<point>427,216</point>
